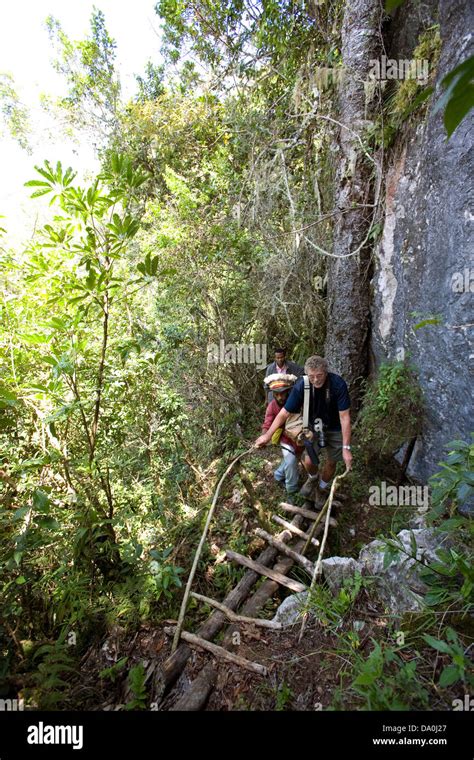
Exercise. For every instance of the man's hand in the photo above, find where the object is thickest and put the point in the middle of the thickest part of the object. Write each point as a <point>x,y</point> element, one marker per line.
<point>263,440</point>
<point>347,457</point>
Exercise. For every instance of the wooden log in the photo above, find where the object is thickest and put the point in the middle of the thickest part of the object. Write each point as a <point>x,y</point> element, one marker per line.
<point>283,580</point>
<point>233,615</point>
<point>266,590</point>
<point>306,513</point>
<point>196,696</point>
<point>219,652</point>
<point>284,549</point>
<point>293,529</point>
<point>174,665</point>
<point>193,699</point>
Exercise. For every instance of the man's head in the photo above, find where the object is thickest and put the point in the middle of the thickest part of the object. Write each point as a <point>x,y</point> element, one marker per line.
<point>280,356</point>
<point>280,397</point>
<point>317,370</point>
<point>280,385</point>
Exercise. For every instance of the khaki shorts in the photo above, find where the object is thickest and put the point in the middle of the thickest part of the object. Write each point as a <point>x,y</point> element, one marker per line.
<point>333,446</point>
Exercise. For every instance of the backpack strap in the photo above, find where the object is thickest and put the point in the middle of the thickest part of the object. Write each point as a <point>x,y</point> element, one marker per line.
<point>306,398</point>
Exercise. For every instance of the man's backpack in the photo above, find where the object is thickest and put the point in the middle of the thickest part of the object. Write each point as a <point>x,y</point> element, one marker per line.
<point>298,422</point>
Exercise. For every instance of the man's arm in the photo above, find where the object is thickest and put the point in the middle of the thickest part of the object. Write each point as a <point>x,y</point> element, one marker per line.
<point>345,418</point>
<point>278,422</point>
<point>270,415</point>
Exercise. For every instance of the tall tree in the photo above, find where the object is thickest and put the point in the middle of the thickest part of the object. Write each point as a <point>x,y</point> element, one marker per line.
<point>13,113</point>
<point>92,102</point>
<point>349,265</point>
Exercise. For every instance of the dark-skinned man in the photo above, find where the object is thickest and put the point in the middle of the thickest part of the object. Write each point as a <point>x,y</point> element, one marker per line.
<point>281,365</point>
<point>329,402</point>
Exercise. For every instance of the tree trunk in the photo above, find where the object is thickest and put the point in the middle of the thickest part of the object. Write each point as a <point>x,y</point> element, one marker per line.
<point>348,278</point>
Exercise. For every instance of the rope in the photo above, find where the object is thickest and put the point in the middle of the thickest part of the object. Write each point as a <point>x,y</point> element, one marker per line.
<point>327,508</point>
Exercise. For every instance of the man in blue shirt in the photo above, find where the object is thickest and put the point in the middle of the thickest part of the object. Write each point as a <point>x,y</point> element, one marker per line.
<point>329,402</point>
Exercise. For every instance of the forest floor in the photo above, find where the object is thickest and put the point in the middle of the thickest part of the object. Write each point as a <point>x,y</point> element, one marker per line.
<point>306,675</point>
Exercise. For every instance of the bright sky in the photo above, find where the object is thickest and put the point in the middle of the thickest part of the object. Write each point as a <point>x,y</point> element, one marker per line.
<point>25,52</point>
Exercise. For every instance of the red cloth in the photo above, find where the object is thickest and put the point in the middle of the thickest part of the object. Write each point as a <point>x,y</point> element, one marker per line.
<point>271,412</point>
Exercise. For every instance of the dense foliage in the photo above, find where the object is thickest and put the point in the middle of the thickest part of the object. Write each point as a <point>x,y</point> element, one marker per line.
<point>209,220</point>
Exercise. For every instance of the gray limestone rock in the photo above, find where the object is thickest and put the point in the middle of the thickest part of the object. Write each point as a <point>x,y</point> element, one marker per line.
<point>399,585</point>
<point>337,569</point>
<point>424,261</point>
<point>290,610</point>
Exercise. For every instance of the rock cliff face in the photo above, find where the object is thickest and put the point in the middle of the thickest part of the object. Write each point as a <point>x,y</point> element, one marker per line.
<point>425,260</point>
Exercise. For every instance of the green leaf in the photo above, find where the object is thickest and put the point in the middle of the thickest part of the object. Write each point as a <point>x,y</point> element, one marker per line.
<point>449,676</point>
<point>458,99</point>
<point>91,279</point>
<point>456,457</point>
<point>48,523</point>
<point>38,193</point>
<point>464,491</point>
<point>441,646</point>
<point>8,399</point>
<point>37,182</point>
<point>41,500</point>
<point>438,567</point>
<point>20,513</point>
<point>434,598</point>
<point>389,556</point>
<point>33,340</point>
<point>452,635</point>
<point>365,679</point>
<point>429,321</point>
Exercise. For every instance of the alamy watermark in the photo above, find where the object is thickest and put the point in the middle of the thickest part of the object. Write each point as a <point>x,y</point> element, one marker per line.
<point>48,734</point>
<point>380,69</point>
<point>237,353</point>
<point>320,282</point>
<point>398,496</point>
<point>403,68</point>
<point>467,704</point>
<point>12,705</point>
<point>463,282</point>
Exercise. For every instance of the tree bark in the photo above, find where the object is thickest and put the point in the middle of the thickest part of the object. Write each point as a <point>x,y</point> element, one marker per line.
<point>298,558</point>
<point>220,652</point>
<point>267,572</point>
<point>233,616</point>
<point>348,278</point>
